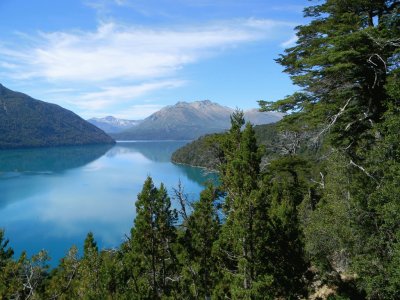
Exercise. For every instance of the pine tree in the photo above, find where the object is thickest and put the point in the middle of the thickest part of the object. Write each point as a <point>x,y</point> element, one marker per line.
<point>10,281</point>
<point>6,252</point>
<point>89,271</point>
<point>342,61</point>
<point>245,215</point>
<point>347,63</point>
<point>199,270</point>
<point>284,187</point>
<point>376,254</point>
<point>152,238</point>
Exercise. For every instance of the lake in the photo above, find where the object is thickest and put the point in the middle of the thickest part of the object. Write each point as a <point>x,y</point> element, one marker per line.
<point>51,198</point>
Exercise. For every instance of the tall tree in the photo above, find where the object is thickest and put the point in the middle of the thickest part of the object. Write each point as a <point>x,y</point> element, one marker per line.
<point>10,281</point>
<point>89,270</point>
<point>245,214</point>
<point>284,187</point>
<point>346,61</point>
<point>152,239</point>
<point>342,61</point>
<point>201,230</point>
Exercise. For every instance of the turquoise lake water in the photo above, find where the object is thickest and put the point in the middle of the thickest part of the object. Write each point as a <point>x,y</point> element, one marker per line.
<point>51,198</point>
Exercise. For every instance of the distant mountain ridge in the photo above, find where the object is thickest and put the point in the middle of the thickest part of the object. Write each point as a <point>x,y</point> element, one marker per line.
<point>27,122</point>
<point>111,124</point>
<point>190,120</point>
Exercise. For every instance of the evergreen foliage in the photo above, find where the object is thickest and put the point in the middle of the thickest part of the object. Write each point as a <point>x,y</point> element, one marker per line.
<point>320,214</point>
<point>207,151</point>
<point>152,240</point>
<point>200,231</point>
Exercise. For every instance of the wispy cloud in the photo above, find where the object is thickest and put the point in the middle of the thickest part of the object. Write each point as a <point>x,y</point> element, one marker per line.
<point>117,64</point>
<point>127,52</point>
<point>108,96</point>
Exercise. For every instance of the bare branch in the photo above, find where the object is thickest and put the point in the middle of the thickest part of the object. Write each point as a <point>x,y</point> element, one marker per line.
<point>363,170</point>
<point>334,118</point>
<point>322,182</point>
<point>382,43</point>
<point>183,200</point>
<point>375,66</point>
<point>290,142</point>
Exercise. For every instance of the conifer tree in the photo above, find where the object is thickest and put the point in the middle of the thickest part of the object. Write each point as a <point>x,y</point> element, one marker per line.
<point>284,187</point>
<point>245,220</point>
<point>199,269</point>
<point>10,281</point>
<point>89,271</point>
<point>6,252</point>
<point>64,280</point>
<point>152,239</point>
<point>346,61</point>
<point>343,60</point>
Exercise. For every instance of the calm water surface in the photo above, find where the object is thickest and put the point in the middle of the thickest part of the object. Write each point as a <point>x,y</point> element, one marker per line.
<point>51,198</point>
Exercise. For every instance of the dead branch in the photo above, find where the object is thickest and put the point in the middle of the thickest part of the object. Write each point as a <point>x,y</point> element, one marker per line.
<point>183,200</point>
<point>322,182</point>
<point>375,66</point>
<point>363,170</point>
<point>334,118</point>
<point>290,142</point>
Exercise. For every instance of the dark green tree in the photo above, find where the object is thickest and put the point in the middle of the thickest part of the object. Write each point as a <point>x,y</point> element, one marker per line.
<point>89,270</point>
<point>245,216</point>
<point>376,200</point>
<point>284,187</point>
<point>152,239</point>
<point>10,281</point>
<point>201,229</point>
<point>6,253</point>
<point>347,62</point>
<point>342,61</point>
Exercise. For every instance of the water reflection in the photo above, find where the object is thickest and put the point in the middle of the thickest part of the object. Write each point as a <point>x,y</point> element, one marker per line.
<point>157,151</point>
<point>47,160</point>
<point>198,175</point>
<point>81,189</point>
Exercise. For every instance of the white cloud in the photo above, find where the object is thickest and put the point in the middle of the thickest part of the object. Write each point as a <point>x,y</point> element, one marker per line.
<point>132,112</point>
<point>111,68</point>
<point>128,52</point>
<point>108,96</point>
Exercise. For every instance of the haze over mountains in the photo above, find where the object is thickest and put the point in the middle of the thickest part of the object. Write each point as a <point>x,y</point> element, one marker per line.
<point>187,121</point>
<point>27,122</point>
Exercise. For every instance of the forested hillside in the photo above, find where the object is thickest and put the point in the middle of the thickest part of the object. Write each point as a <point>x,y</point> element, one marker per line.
<point>27,122</point>
<point>207,152</point>
<point>324,227</point>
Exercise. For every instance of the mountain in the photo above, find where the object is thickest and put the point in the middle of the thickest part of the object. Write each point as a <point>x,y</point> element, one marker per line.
<point>259,118</point>
<point>188,121</point>
<point>27,122</point>
<point>111,124</point>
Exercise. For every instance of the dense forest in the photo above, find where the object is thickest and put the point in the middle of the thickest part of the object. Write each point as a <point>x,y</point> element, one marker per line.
<point>26,123</point>
<point>315,226</point>
<point>206,152</point>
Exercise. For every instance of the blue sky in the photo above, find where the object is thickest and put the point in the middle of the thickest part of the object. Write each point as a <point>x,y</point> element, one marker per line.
<point>129,58</point>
